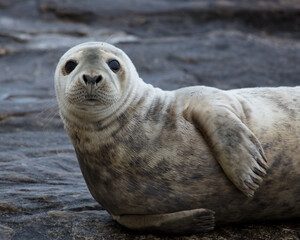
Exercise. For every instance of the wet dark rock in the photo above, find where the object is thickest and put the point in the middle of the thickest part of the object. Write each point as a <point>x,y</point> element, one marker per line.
<point>160,16</point>
<point>6,232</point>
<point>173,43</point>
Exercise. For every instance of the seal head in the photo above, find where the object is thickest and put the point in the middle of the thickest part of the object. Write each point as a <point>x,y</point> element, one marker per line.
<point>94,74</point>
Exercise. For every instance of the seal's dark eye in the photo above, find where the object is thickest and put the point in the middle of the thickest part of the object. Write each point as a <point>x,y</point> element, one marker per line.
<point>114,65</point>
<point>70,66</point>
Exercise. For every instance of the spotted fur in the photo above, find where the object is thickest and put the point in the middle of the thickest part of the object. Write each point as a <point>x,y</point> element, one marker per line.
<point>143,156</point>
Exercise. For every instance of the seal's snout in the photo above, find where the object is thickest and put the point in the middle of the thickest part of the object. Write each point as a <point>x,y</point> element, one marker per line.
<point>91,79</point>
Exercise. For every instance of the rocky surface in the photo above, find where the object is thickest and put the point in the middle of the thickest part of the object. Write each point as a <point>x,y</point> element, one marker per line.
<point>173,43</point>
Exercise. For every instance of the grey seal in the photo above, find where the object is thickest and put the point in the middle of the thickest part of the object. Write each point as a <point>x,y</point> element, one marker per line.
<point>178,161</point>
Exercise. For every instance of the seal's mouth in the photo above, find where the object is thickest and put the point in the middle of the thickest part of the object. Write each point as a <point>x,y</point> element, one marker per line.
<point>90,98</point>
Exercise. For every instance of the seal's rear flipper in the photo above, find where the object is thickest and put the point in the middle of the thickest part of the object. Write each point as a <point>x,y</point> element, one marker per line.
<point>233,144</point>
<point>183,222</point>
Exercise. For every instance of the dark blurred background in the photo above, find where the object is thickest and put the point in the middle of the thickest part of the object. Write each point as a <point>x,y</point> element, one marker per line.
<point>173,43</point>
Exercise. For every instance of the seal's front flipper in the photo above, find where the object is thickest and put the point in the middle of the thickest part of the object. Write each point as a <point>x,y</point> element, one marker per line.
<point>188,221</point>
<point>233,144</point>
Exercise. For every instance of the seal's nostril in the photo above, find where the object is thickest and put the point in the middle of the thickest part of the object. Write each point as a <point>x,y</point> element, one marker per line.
<point>86,78</point>
<point>91,80</point>
<point>98,78</point>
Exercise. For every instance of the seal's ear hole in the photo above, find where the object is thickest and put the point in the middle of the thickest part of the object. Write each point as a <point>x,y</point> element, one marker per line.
<point>69,66</point>
<point>114,65</point>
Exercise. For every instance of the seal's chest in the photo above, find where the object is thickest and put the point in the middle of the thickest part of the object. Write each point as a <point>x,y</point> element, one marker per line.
<point>138,166</point>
